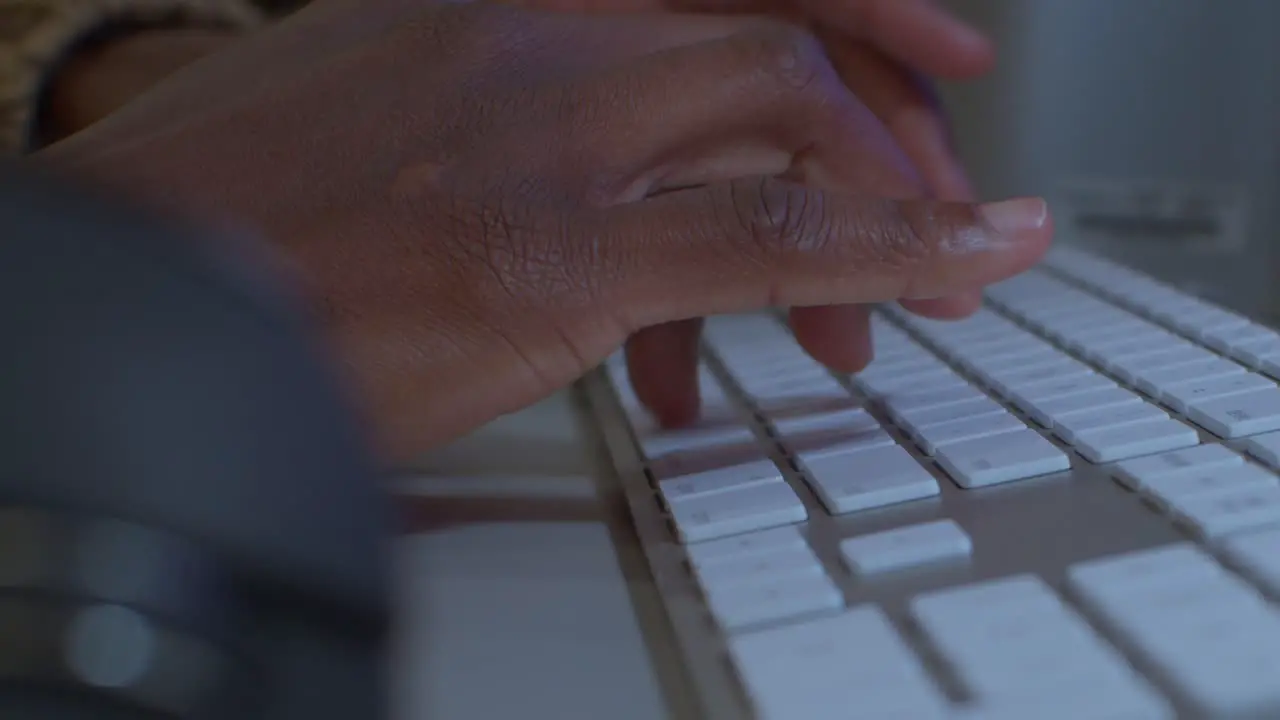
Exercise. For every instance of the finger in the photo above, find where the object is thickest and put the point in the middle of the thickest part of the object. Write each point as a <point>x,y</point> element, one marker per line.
<point>757,103</point>
<point>908,107</point>
<point>915,32</point>
<point>838,336</point>
<point>662,362</point>
<point>954,307</point>
<point>752,244</point>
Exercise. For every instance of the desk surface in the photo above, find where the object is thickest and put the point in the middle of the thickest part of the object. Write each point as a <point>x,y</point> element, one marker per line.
<point>522,592</point>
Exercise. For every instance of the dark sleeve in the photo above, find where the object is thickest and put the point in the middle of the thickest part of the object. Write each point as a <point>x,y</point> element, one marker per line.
<point>152,382</point>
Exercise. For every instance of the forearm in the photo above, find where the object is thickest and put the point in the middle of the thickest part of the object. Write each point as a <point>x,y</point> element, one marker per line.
<point>65,63</point>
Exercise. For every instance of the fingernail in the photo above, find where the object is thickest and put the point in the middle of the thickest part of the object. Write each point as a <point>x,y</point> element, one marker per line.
<point>1010,217</point>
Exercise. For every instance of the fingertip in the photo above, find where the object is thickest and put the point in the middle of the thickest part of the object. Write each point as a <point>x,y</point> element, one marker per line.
<point>838,336</point>
<point>662,362</point>
<point>953,307</point>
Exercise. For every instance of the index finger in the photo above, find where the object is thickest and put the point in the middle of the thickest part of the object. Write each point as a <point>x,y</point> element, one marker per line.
<point>915,32</point>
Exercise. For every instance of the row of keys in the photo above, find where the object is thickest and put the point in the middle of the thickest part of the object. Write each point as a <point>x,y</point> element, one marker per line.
<point>1089,411</point>
<point>1232,334</point>
<point>1220,395</point>
<point>976,441</point>
<point>715,478</point>
<point>1210,489</point>
<point>1013,639</point>
<point>843,453</point>
<point>762,577</point>
<point>1207,635</point>
<point>1017,650</point>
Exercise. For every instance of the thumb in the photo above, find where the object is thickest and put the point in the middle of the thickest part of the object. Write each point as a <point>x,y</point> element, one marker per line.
<point>756,243</point>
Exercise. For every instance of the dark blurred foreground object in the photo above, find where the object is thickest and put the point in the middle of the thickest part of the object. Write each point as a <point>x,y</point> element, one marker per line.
<point>189,523</point>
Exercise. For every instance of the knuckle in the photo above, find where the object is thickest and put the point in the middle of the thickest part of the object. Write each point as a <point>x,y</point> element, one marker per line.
<point>785,54</point>
<point>779,219</point>
<point>899,235</point>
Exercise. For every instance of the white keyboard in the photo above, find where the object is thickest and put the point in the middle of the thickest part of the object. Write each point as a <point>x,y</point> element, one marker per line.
<point>1065,506</point>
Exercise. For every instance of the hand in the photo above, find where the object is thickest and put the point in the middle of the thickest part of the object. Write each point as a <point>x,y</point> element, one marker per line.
<point>484,203</point>
<point>885,51</point>
<point>98,81</point>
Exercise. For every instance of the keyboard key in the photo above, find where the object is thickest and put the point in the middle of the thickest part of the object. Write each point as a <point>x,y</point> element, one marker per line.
<point>1209,483</point>
<point>1238,415</point>
<point>677,489</point>
<point>936,436</point>
<point>1181,397</point>
<point>852,419</point>
<point>766,567</point>
<point>1030,396</point>
<point>1068,428</point>
<point>1053,410</point>
<point>916,421</point>
<point>1013,639</point>
<point>1258,555</point>
<point>1002,458</point>
<point>737,511</point>
<point>1266,448</point>
<point>1153,380</point>
<point>1206,634</point>
<point>737,607</point>
<point>1143,473</point>
<point>1103,445</point>
<point>852,666</point>
<point>1230,512</point>
<point>906,547</point>
<point>712,552</point>
<point>898,404</point>
<point>851,481</point>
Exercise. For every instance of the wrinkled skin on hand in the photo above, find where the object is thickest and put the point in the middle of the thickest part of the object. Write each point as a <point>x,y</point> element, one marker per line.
<point>886,51</point>
<point>484,202</point>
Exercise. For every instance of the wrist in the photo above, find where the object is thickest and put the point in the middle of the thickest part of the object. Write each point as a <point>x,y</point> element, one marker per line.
<point>103,76</point>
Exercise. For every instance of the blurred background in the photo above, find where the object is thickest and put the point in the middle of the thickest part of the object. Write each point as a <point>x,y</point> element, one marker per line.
<point>1153,125</point>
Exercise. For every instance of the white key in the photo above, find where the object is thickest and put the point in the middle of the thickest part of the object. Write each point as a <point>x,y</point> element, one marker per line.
<point>1002,458</point>
<point>1069,427</point>
<point>906,547</point>
<point>1203,484</point>
<point>663,443</point>
<point>936,436</point>
<point>1141,473</point>
<point>848,419</point>
<point>1029,396</point>
<point>728,549</point>
<point>1204,631</point>
<point>689,462</point>
<point>1122,442</point>
<point>1128,368</point>
<point>1265,447</point>
<point>914,422</point>
<point>1238,415</point>
<point>933,380</point>
<point>909,400</point>
<point>678,489</point>
<point>1013,639</point>
<point>741,606</point>
<point>1223,514</point>
<point>1151,381</point>
<point>839,440</point>
<point>1258,555</point>
<point>1180,397</point>
<point>737,511</point>
<point>852,666</point>
<point>860,480</point>
<point>1099,582</point>
<point>1047,412</point>
<point>1227,339</point>
<point>771,566</point>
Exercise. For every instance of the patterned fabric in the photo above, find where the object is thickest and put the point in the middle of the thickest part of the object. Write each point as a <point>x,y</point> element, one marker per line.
<point>36,35</point>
